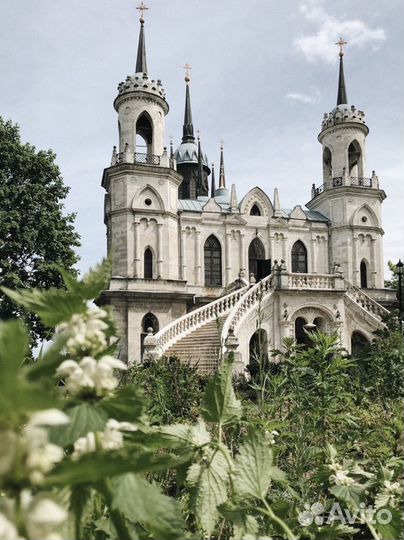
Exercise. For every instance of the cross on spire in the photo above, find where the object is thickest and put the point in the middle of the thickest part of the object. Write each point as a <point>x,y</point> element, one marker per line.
<point>142,8</point>
<point>341,44</point>
<point>187,67</point>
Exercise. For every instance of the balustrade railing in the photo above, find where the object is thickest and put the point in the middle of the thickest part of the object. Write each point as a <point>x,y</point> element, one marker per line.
<point>338,181</point>
<point>251,298</point>
<point>143,159</point>
<point>181,327</point>
<point>361,182</point>
<point>311,281</point>
<point>365,301</point>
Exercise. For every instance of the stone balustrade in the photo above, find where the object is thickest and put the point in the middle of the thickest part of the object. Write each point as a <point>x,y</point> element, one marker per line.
<point>181,327</point>
<point>313,281</point>
<point>365,301</point>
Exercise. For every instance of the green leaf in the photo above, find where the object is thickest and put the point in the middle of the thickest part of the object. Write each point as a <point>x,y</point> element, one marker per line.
<point>243,524</point>
<point>254,467</point>
<point>392,530</point>
<point>126,405</point>
<point>220,404</point>
<point>190,437</point>
<point>144,503</point>
<point>53,306</point>
<point>13,349</point>
<point>92,284</point>
<point>353,495</point>
<point>83,418</point>
<point>209,481</point>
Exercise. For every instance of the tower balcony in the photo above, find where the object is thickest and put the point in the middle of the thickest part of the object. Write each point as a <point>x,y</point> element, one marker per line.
<point>346,180</point>
<point>139,158</point>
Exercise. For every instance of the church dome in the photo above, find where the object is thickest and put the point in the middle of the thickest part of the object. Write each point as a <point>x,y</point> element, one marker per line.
<point>187,152</point>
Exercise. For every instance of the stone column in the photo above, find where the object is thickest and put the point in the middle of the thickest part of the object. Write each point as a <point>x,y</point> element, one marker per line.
<point>159,251</point>
<point>373,266</point>
<point>182,266</point>
<point>198,267</point>
<point>355,269</point>
<point>284,253</point>
<point>242,253</point>
<point>227,257</point>
<point>137,257</point>
<point>313,264</point>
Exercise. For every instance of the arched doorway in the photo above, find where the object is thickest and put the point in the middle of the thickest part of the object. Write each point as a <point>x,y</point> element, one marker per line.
<point>364,275</point>
<point>258,352</point>
<point>257,264</point>
<point>301,336</point>
<point>213,262</point>
<point>299,257</point>
<point>148,321</point>
<point>359,343</point>
<point>144,134</point>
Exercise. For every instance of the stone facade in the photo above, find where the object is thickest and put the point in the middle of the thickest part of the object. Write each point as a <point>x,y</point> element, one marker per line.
<point>178,264</point>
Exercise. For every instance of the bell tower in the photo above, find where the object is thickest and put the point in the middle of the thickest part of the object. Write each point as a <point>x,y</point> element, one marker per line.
<point>348,196</point>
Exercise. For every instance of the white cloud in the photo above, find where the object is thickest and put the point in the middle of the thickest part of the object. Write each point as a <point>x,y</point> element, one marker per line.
<point>312,97</point>
<point>320,44</point>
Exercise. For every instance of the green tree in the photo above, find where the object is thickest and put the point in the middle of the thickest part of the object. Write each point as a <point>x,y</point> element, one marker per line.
<point>35,234</point>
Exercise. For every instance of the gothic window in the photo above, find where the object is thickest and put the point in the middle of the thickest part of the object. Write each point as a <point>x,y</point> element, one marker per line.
<point>257,264</point>
<point>148,264</point>
<point>364,275</point>
<point>354,156</point>
<point>144,134</point>
<point>358,343</point>
<point>299,258</point>
<point>327,162</point>
<point>213,262</point>
<point>255,211</point>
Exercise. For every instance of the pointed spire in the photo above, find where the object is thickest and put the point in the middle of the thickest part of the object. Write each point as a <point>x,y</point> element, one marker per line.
<point>233,198</point>
<point>141,65</point>
<point>188,127</point>
<point>222,178</point>
<point>171,148</point>
<point>277,204</point>
<point>200,164</point>
<point>342,98</point>
<point>213,185</point>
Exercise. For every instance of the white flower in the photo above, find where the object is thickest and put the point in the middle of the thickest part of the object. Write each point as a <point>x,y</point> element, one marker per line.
<point>8,530</point>
<point>90,375</point>
<point>85,332</point>
<point>341,478</point>
<point>392,487</point>
<point>109,439</point>
<point>84,445</point>
<point>44,516</point>
<point>49,417</point>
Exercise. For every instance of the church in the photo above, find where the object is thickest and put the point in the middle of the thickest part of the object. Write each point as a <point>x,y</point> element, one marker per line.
<point>198,271</point>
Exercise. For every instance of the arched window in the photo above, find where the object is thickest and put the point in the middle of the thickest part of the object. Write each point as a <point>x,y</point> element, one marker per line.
<point>301,336</point>
<point>364,275</point>
<point>359,343</point>
<point>354,159</point>
<point>257,264</point>
<point>148,321</point>
<point>258,351</point>
<point>148,264</point>
<point>255,211</point>
<point>327,162</point>
<point>299,257</point>
<point>144,134</point>
<point>213,262</point>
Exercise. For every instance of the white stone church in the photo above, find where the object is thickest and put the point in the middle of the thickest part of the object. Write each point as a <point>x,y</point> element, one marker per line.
<point>198,271</point>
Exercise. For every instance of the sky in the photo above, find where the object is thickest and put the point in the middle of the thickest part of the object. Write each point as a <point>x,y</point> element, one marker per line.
<point>263,74</point>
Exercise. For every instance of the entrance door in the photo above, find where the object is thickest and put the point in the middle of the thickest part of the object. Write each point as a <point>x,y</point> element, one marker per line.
<point>257,264</point>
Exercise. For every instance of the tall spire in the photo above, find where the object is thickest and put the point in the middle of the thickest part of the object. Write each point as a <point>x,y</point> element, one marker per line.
<point>200,165</point>
<point>213,184</point>
<point>141,65</point>
<point>222,178</point>
<point>188,127</point>
<point>342,98</point>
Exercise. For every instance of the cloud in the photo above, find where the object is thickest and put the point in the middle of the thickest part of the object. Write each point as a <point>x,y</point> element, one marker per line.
<point>310,98</point>
<point>320,45</point>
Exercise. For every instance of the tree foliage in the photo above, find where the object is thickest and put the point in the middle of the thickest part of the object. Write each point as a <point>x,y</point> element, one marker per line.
<point>35,233</point>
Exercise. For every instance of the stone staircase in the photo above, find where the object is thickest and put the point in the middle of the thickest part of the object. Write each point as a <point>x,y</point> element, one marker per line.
<point>202,347</point>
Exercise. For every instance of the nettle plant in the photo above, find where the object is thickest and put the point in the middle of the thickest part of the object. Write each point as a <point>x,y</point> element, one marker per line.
<point>80,459</point>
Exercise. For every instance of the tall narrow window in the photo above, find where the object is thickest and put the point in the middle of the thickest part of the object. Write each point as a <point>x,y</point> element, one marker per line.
<point>148,264</point>
<point>327,162</point>
<point>299,257</point>
<point>257,264</point>
<point>354,159</point>
<point>364,275</point>
<point>213,262</point>
<point>144,134</point>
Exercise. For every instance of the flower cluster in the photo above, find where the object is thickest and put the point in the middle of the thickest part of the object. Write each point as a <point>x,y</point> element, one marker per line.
<point>340,476</point>
<point>41,517</point>
<point>90,375</point>
<point>109,439</point>
<point>85,332</point>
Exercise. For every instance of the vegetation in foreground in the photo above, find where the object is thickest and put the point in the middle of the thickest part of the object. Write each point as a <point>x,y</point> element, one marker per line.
<point>309,448</point>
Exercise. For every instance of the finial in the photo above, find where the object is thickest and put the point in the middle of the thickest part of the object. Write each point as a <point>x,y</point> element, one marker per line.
<point>187,67</point>
<point>341,44</point>
<point>198,134</point>
<point>222,179</point>
<point>142,8</point>
<point>221,144</point>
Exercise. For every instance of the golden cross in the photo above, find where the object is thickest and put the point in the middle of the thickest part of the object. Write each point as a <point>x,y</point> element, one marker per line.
<point>341,44</point>
<point>142,8</point>
<point>187,67</point>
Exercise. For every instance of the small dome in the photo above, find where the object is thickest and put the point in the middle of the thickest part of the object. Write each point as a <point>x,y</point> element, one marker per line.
<point>187,152</point>
<point>343,113</point>
<point>141,83</point>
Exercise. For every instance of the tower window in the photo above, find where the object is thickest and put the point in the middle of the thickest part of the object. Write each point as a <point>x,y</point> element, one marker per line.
<point>327,163</point>
<point>148,264</point>
<point>354,156</point>
<point>213,262</point>
<point>364,275</point>
<point>255,211</point>
<point>299,257</point>
<point>144,134</point>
